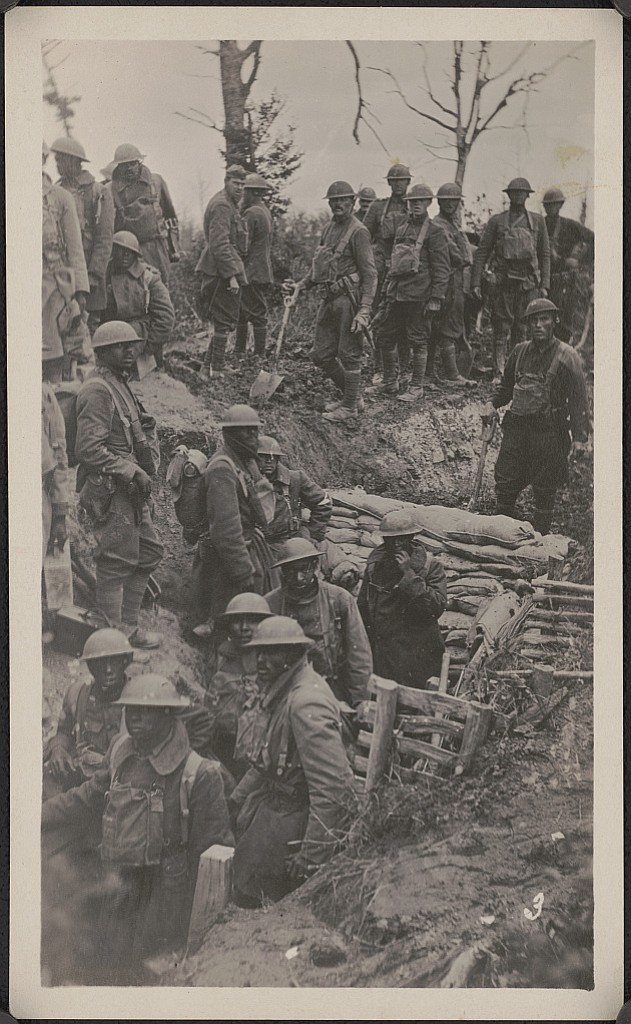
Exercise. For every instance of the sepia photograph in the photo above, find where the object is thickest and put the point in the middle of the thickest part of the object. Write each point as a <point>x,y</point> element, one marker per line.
<point>325,330</point>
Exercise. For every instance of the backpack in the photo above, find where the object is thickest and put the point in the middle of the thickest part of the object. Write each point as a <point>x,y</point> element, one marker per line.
<point>185,477</point>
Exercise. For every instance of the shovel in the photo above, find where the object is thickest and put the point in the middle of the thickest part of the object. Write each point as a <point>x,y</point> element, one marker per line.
<point>268,381</point>
<point>488,430</point>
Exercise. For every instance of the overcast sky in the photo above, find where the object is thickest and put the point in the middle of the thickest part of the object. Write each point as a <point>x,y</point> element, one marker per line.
<point>130,92</point>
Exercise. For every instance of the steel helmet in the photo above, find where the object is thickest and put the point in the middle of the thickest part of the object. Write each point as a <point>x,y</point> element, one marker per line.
<point>126,240</point>
<point>366,192</point>
<point>449,191</point>
<point>236,171</point>
<point>540,306</point>
<point>340,190</point>
<point>518,185</point>
<point>295,549</point>
<point>419,192</point>
<point>258,182</point>
<point>247,604</point>
<point>108,170</point>
<point>126,153</point>
<point>554,195</point>
<point>402,522</point>
<point>104,643</point>
<point>240,416</point>
<point>152,690</point>
<point>398,171</point>
<point>69,146</point>
<point>113,333</point>
<point>268,445</point>
<point>277,631</point>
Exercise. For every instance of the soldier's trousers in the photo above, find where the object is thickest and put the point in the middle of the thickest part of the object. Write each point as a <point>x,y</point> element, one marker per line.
<point>335,348</point>
<point>128,551</point>
<point>534,451</point>
<point>508,306</point>
<point>254,299</point>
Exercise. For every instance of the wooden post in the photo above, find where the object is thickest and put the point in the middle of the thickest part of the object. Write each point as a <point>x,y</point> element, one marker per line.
<point>381,746</point>
<point>555,567</point>
<point>442,688</point>
<point>542,680</point>
<point>212,892</point>
<point>476,729</point>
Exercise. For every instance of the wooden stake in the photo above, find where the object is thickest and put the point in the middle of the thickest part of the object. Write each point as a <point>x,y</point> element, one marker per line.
<point>442,688</point>
<point>476,729</point>
<point>212,892</point>
<point>576,588</point>
<point>542,680</point>
<point>381,745</point>
<point>555,567</point>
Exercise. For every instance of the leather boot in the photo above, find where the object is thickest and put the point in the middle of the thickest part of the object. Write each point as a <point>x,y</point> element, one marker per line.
<point>415,391</point>
<point>542,520</point>
<point>349,407</point>
<point>390,382</point>
<point>499,356</point>
<point>204,370</point>
<point>450,366</point>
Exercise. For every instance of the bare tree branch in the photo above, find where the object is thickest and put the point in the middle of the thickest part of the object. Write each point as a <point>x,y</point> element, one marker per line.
<point>196,120</point>
<point>428,86</point>
<point>509,67</point>
<point>253,49</point>
<point>410,106</point>
<point>362,106</point>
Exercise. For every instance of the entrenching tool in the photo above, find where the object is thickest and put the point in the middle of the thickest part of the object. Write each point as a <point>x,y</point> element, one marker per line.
<point>488,430</point>
<point>268,381</point>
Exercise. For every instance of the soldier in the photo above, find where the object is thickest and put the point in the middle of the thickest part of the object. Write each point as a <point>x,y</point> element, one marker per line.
<point>95,209</point>
<point>89,718</point>
<point>449,328</point>
<point>415,289</point>
<point>571,255</point>
<point>118,453</point>
<point>517,243</point>
<point>56,495</point>
<point>143,205</point>
<point>544,383</point>
<point>232,556</point>
<point>135,293</point>
<point>65,283</point>
<point>366,197</point>
<point>233,686</point>
<point>294,803</point>
<point>293,490</point>
<point>222,268</point>
<point>402,596</point>
<point>258,264</point>
<point>382,220</point>
<point>329,616</point>
<point>344,265</point>
<point>149,851</point>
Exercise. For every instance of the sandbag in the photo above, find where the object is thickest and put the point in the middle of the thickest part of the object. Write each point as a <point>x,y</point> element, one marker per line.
<point>341,536</point>
<point>340,524</point>
<point>371,502</point>
<point>468,528</point>
<point>370,540</point>
<point>454,620</point>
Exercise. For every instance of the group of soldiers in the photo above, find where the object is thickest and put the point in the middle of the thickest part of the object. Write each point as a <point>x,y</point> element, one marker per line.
<point>147,777</point>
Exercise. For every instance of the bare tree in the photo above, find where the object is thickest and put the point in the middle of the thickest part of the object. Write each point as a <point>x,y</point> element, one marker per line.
<point>62,104</point>
<point>470,108</point>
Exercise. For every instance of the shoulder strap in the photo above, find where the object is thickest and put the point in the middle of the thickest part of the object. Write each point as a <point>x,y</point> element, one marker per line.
<point>422,235</point>
<point>346,237</point>
<point>242,477</point>
<point>187,781</point>
<point>519,360</point>
<point>385,210</point>
<point>127,415</point>
<point>554,365</point>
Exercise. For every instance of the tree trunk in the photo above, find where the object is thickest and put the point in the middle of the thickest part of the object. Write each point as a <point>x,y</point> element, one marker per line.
<point>235,93</point>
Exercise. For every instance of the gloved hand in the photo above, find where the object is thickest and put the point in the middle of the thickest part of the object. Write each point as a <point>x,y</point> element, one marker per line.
<point>60,764</point>
<point>142,481</point>
<point>361,319</point>
<point>58,534</point>
<point>233,286</point>
<point>433,306</point>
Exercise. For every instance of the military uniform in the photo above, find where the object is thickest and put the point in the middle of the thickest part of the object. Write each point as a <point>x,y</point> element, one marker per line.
<point>449,328</point>
<point>546,387</point>
<point>56,496</point>
<point>232,689</point>
<point>344,259</point>
<point>383,218</point>
<point>401,616</point>
<point>149,859</point>
<point>409,291</point>
<point>300,787</point>
<point>293,490</point>
<point>64,270</point>
<point>95,210</point>
<point>222,258</point>
<point>258,271</point>
<point>342,652</point>
<point>143,206</point>
<point>114,436</point>
<point>138,296</point>
<point>570,239</point>
<point>519,249</point>
<point>232,557</point>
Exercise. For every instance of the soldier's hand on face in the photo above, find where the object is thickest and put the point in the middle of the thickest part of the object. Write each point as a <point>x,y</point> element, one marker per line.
<point>403,560</point>
<point>82,300</point>
<point>60,763</point>
<point>233,286</point>
<point>58,534</point>
<point>142,481</point>
<point>478,293</point>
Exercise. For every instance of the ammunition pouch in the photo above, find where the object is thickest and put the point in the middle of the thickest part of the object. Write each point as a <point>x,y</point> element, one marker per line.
<point>96,496</point>
<point>133,829</point>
